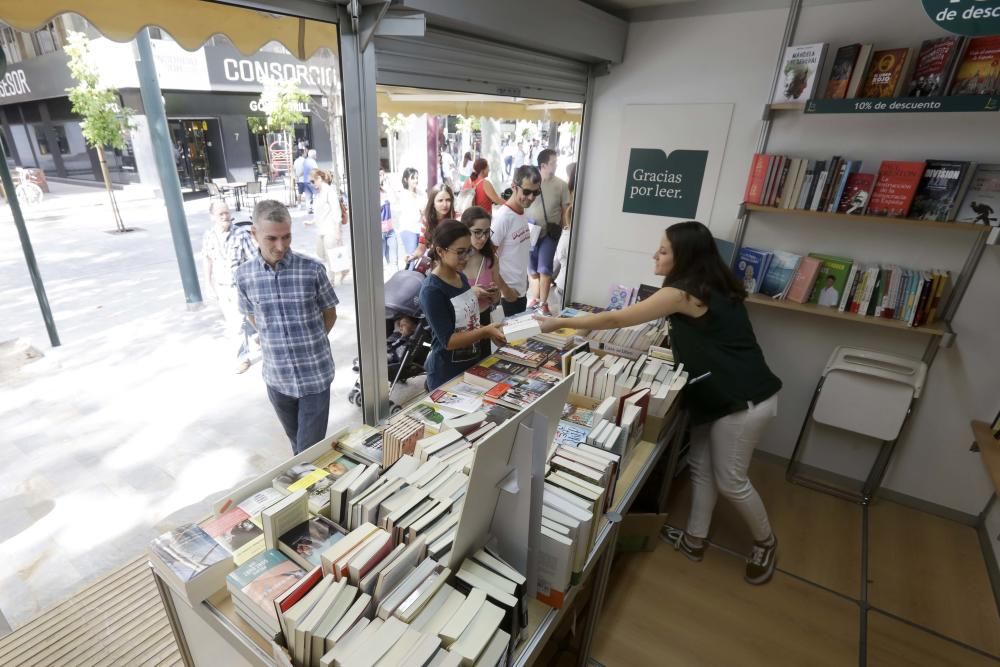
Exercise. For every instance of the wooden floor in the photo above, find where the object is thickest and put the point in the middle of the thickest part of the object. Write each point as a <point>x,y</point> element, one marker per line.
<point>118,621</point>
<point>928,601</point>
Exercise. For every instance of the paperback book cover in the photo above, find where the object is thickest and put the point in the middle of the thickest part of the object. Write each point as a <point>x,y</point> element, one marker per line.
<point>843,68</point>
<point>830,280</point>
<point>802,283</point>
<point>799,73</point>
<point>751,267</point>
<point>981,204</point>
<point>619,297</point>
<point>316,482</point>
<point>570,434</point>
<point>779,274</point>
<point>234,530</point>
<point>886,72</point>
<point>940,190</point>
<point>188,551</point>
<point>574,414</point>
<point>754,193</point>
<point>263,578</point>
<point>933,67</point>
<point>978,73</point>
<point>857,192</point>
<point>306,542</point>
<point>895,188</point>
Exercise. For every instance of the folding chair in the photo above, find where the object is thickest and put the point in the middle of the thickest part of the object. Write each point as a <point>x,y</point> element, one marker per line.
<point>253,192</point>
<point>865,392</point>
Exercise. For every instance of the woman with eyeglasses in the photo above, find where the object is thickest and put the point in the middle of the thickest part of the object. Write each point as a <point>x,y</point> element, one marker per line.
<point>451,307</point>
<point>440,206</point>
<point>482,269</point>
<point>737,395</point>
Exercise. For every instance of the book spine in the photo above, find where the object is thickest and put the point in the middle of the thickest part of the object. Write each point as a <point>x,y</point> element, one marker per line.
<point>845,298</point>
<point>859,291</point>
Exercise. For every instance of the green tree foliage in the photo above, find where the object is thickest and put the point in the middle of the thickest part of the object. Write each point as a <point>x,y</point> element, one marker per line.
<point>105,122</point>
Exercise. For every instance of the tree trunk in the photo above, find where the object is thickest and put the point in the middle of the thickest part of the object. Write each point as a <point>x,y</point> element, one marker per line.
<point>119,224</point>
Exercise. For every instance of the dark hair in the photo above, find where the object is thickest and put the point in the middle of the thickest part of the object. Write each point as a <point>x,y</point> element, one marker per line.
<point>698,267</point>
<point>446,233</point>
<point>467,158</point>
<point>546,155</point>
<point>571,176</point>
<point>527,171</point>
<point>271,210</point>
<point>408,173</point>
<point>469,218</point>
<point>431,214</point>
<point>478,167</point>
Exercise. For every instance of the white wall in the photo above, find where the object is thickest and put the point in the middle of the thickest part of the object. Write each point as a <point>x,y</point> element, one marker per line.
<point>730,58</point>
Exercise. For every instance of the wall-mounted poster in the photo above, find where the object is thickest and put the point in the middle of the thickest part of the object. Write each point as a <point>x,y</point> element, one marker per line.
<point>670,159</point>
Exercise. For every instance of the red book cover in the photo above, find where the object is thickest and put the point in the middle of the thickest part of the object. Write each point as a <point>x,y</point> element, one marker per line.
<point>497,392</point>
<point>843,68</point>
<point>978,73</point>
<point>755,182</point>
<point>802,283</point>
<point>895,188</point>
<point>857,192</point>
<point>934,62</point>
<point>884,74</point>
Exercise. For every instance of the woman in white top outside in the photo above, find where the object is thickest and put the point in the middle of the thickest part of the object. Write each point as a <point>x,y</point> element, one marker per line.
<point>333,245</point>
<point>411,207</point>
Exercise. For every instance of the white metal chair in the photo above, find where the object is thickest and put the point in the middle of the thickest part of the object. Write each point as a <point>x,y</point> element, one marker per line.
<point>865,392</point>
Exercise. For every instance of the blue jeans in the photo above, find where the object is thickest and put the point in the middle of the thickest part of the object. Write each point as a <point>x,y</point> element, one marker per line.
<point>304,419</point>
<point>410,241</point>
<point>389,247</point>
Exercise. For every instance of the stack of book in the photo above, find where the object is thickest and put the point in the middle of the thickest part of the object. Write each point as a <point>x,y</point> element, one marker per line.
<point>935,190</point>
<point>912,296</point>
<point>191,561</point>
<point>400,438</point>
<point>364,443</point>
<point>610,377</point>
<point>255,585</point>
<point>628,341</point>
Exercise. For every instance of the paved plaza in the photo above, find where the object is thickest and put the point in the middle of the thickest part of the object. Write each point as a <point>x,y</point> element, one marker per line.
<point>138,420</point>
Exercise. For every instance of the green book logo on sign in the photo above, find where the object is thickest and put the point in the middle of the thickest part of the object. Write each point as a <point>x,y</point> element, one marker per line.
<point>661,185</point>
<point>965,17</point>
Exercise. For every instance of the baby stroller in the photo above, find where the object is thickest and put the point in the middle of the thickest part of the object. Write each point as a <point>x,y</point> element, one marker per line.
<point>402,298</point>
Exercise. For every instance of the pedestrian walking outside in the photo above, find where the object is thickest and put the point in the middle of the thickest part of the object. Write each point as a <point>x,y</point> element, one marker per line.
<point>224,248</point>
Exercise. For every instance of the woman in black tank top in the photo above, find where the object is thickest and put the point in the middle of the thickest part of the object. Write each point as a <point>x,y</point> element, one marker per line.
<point>736,396</point>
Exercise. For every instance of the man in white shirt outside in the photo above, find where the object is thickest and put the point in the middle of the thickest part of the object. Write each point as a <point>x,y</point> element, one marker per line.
<point>299,167</point>
<point>545,217</point>
<point>512,239</point>
<point>224,248</point>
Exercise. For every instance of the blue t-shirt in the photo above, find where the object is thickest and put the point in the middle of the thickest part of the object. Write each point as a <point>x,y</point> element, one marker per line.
<point>448,309</point>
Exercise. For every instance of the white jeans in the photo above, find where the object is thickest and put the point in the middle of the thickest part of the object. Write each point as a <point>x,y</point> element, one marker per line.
<point>719,457</point>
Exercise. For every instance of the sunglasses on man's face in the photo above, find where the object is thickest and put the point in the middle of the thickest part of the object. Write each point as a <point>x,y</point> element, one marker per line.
<point>529,193</point>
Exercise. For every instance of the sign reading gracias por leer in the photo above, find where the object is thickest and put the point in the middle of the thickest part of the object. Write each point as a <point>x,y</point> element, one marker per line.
<point>660,185</point>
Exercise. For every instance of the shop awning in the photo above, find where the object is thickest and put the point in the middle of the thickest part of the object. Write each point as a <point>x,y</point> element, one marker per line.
<point>190,22</point>
<point>408,102</point>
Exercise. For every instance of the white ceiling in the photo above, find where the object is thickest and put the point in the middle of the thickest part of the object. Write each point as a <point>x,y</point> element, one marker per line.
<point>626,5</point>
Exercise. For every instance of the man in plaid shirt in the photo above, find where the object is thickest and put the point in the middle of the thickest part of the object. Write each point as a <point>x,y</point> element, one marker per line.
<point>290,301</point>
<point>223,249</point>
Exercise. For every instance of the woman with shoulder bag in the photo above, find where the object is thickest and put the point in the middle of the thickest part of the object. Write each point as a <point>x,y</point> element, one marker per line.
<point>485,197</point>
<point>333,245</point>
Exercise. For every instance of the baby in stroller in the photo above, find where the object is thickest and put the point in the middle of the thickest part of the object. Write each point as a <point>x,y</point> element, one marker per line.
<point>407,336</point>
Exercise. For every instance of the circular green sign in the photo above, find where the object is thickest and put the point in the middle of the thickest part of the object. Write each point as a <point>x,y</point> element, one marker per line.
<point>965,17</point>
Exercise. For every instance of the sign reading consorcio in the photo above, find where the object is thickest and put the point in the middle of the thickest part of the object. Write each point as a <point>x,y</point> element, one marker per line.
<point>965,17</point>
<point>256,71</point>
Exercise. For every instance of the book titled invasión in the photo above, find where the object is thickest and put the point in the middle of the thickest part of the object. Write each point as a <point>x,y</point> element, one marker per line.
<point>799,73</point>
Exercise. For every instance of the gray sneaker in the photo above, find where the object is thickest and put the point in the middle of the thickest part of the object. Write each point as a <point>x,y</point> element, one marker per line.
<point>678,538</point>
<point>760,564</point>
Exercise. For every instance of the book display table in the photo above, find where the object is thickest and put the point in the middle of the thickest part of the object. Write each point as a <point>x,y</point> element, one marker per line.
<point>211,633</point>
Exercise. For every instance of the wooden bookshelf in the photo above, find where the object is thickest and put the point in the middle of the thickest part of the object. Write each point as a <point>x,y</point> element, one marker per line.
<point>817,216</point>
<point>989,448</point>
<point>936,329</point>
